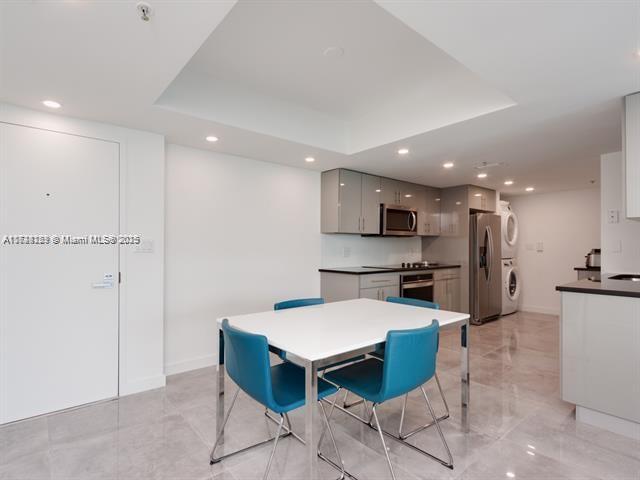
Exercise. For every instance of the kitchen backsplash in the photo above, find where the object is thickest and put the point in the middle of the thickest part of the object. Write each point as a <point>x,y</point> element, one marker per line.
<point>354,250</point>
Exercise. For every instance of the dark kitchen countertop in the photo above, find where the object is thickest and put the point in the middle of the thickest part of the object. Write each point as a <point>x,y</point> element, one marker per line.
<point>367,271</point>
<point>588,269</point>
<point>617,288</point>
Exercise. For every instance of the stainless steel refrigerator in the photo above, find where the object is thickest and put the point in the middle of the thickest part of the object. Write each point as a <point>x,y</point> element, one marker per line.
<point>485,269</point>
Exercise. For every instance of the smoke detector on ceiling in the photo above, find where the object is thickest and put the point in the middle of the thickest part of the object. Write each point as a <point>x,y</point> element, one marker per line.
<point>144,10</point>
<point>483,165</point>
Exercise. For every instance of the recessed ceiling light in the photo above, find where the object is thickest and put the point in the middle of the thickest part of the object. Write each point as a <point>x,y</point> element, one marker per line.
<point>477,194</point>
<point>511,475</point>
<point>342,184</point>
<point>531,447</point>
<point>508,182</point>
<point>309,159</point>
<point>378,190</point>
<point>531,453</point>
<point>403,151</point>
<point>448,165</point>
<point>408,195</point>
<point>529,189</point>
<point>482,175</point>
<point>458,203</point>
<point>211,139</point>
<point>437,199</point>
<point>51,104</point>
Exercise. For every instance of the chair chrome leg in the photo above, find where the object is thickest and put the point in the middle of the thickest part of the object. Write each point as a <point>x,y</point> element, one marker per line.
<point>444,400</point>
<point>273,450</point>
<point>213,459</point>
<point>404,408</point>
<point>384,445</point>
<point>429,424</point>
<point>333,440</point>
<point>435,419</point>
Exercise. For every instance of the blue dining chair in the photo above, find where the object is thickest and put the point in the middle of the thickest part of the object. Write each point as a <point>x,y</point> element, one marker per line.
<point>409,362</point>
<point>298,302</point>
<point>379,353</point>
<point>304,302</point>
<point>281,388</point>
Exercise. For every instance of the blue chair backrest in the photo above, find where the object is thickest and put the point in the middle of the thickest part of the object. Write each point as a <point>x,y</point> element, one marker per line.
<point>247,363</point>
<point>417,303</point>
<point>409,359</point>
<point>414,301</point>
<point>299,302</point>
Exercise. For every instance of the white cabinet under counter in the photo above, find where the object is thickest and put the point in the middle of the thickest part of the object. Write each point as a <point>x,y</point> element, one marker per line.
<point>600,353</point>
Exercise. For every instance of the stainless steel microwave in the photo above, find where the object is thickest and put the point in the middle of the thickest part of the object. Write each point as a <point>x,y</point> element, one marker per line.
<point>397,220</point>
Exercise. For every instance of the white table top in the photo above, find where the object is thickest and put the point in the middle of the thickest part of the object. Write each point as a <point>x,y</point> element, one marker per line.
<point>323,331</point>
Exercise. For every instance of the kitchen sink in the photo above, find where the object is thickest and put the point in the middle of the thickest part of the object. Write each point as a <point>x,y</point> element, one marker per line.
<point>626,276</point>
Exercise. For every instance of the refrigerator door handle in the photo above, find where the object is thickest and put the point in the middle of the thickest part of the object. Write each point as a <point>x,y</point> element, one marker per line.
<point>489,265</point>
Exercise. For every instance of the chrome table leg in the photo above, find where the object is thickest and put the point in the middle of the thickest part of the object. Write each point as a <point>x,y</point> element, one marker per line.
<point>464,375</point>
<point>310,433</point>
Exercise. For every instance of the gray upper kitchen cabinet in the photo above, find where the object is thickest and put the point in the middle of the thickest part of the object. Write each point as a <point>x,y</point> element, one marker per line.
<point>391,191</point>
<point>371,192</point>
<point>410,195</point>
<point>428,204</point>
<point>350,202</point>
<point>454,210</point>
<point>631,154</point>
<point>482,199</point>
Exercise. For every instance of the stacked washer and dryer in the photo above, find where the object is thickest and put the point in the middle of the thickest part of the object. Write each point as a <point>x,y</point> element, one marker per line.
<point>510,277</point>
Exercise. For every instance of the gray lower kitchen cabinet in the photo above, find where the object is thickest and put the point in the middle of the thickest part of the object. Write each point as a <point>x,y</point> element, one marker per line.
<point>380,293</point>
<point>446,289</point>
<point>335,287</point>
<point>350,202</point>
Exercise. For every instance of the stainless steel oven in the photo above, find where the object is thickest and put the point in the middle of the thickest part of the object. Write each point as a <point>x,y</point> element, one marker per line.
<point>417,285</point>
<point>397,220</point>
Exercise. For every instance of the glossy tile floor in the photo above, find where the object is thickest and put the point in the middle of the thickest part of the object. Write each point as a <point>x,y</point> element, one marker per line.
<point>519,427</point>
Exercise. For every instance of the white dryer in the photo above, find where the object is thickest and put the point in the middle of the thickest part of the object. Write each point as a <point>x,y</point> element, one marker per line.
<point>511,286</point>
<point>509,230</point>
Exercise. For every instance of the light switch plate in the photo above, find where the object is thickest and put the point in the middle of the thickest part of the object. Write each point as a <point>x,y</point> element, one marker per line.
<point>539,247</point>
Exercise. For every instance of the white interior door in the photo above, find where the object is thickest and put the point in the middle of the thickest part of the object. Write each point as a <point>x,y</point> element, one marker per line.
<point>58,315</point>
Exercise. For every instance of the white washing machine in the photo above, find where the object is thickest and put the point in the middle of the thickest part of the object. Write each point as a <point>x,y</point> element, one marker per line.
<point>509,230</point>
<point>511,286</point>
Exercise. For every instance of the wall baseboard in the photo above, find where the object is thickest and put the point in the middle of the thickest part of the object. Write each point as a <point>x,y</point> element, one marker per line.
<point>535,309</point>
<point>142,385</point>
<point>191,364</point>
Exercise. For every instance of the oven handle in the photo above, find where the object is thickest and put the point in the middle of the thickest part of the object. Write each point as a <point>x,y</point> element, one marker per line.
<point>406,286</point>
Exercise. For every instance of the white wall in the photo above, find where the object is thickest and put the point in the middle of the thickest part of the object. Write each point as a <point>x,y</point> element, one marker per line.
<point>354,250</point>
<point>241,234</point>
<point>620,241</point>
<point>142,212</point>
<point>568,225</point>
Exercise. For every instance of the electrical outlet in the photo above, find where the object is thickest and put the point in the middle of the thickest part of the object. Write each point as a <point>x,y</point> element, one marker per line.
<point>613,216</point>
<point>539,247</point>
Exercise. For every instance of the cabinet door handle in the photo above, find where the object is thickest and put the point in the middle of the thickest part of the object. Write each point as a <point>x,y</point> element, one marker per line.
<point>363,224</point>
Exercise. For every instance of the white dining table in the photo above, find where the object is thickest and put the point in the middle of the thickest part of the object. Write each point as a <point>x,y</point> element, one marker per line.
<point>320,335</point>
